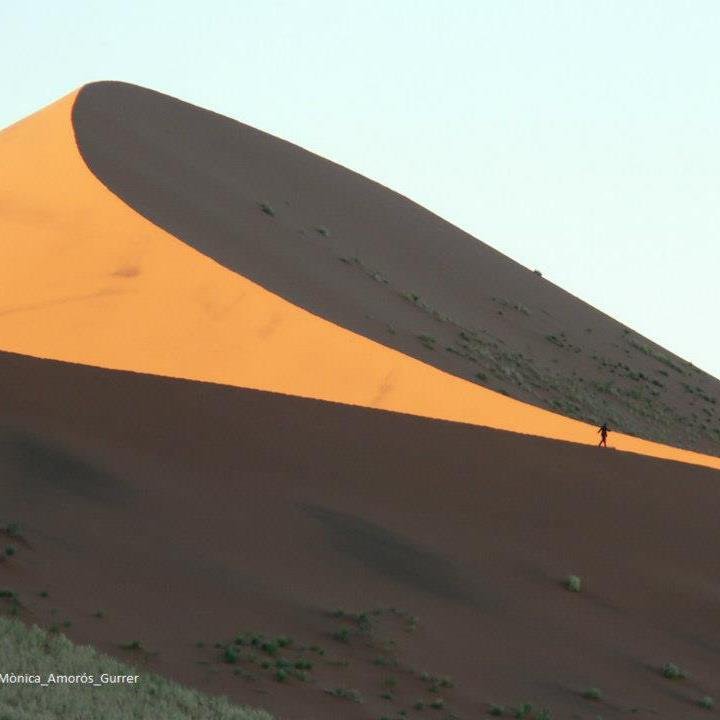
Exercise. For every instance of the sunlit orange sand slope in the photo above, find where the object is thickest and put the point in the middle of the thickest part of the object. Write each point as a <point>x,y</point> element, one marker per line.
<point>86,279</point>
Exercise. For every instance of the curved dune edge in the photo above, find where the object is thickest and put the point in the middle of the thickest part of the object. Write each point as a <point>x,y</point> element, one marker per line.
<point>86,279</point>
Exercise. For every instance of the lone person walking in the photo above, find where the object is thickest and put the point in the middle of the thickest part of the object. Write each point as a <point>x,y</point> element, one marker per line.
<point>603,431</point>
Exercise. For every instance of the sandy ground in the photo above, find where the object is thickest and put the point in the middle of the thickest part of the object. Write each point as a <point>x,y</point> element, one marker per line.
<point>189,512</point>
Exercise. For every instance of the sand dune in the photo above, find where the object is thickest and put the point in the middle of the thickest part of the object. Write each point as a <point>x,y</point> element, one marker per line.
<point>363,257</point>
<point>244,392</point>
<point>190,512</point>
<point>123,293</point>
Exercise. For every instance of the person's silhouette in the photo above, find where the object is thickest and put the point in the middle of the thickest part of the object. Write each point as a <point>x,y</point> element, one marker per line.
<point>603,431</point>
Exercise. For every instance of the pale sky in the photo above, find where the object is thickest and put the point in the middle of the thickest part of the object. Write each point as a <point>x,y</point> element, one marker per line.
<point>579,137</point>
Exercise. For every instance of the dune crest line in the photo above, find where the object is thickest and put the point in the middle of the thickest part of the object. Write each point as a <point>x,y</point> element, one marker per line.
<point>181,314</point>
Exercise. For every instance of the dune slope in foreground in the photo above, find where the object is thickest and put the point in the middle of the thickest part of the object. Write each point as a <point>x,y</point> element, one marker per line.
<point>190,512</point>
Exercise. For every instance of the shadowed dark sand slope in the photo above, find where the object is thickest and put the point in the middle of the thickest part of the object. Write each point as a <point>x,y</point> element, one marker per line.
<point>189,512</point>
<point>370,260</point>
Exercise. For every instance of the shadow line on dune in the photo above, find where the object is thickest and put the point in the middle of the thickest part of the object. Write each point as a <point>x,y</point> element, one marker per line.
<point>46,469</point>
<point>400,559</point>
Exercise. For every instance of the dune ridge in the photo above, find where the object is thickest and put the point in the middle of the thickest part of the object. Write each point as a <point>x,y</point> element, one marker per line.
<point>122,293</point>
<point>365,258</point>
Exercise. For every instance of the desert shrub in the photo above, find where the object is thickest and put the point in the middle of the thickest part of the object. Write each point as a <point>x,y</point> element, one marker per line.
<point>270,647</point>
<point>673,672</point>
<point>707,703</point>
<point>132,645</point>
<point>345,694</point>
<point>383,661</point>
<point>267,209</point>
<point>573,583</point>
<point>592,694</point>
<point>342,635</point>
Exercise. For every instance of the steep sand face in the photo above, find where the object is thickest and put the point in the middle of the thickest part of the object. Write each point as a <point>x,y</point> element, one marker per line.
<point>86,279</point>
<point>365,258</point>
